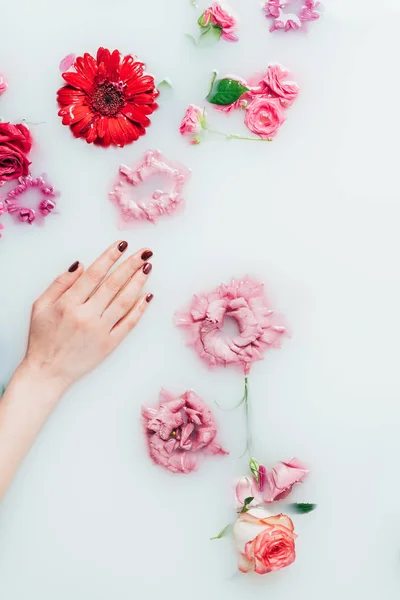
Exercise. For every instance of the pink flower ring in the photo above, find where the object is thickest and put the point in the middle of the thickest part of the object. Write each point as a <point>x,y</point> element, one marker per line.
<point>179,430</point>
<point>160,201</point>
<point>284,20</point>
<point>243,301</point>
<point>45,206</point>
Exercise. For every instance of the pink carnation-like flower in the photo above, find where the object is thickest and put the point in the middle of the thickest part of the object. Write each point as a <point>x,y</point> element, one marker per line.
<point>243,301</point>
<point>265,542</point>
<point>264,116</point>
<point>220,16</point>
<point>276,83</point>
<point>273,485</point>
<point>191,124</point>
<point>179,431</point>
<point>3,84</point>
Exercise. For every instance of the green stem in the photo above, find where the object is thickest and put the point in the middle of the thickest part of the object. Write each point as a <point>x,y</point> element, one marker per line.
<point>233,136</point>
<point>247,416</point>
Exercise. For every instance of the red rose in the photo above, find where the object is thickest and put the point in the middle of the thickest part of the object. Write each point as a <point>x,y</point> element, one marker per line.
<point>15,143</point>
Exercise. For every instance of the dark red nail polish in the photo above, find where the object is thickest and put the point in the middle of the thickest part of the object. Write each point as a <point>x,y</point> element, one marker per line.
<point>122,246</point>
<point>147,267</point>
<point>147,254</point>
<point>149,298</point>
<point>74,266</point>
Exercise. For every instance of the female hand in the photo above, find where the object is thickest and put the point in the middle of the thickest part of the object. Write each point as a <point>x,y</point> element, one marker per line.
<point>75,324</point>
<point>83,316</point>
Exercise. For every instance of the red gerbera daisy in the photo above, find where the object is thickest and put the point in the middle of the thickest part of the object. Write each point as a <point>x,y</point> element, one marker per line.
<point>107,99</point>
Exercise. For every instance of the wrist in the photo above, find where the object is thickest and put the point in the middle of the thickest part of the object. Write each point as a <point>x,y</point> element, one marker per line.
<point>44,385</point>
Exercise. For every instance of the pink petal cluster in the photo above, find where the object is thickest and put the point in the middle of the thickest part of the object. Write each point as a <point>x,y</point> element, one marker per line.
<point>273,484</point>
<point>191,124</point>
<point>269,94</point>
<point>244,301</point>
<point>3,84</point>
<point>286,21</point>
<point>265,542</point>
<point>179,431</point>
<point>220,16</point>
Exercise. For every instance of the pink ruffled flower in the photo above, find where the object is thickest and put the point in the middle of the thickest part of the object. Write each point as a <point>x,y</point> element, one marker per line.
<point>191,124</point>
<point>264,116</point>
<point>308,12</point>
<point>220,16</point>
<point>276,83</point>
<point>273,485</point>
<point>243,301</point>
<point>3,84</point>
<point>179,431</point>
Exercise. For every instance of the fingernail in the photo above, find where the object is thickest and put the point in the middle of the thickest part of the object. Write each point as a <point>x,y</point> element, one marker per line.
<point>122,246</point>
<point>147,254</point>
<point>149,298</point>
<point>147,267</point>
<point>74,266</point>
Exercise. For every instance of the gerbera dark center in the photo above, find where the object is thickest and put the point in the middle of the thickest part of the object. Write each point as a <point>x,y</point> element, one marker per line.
<point>107,100</point>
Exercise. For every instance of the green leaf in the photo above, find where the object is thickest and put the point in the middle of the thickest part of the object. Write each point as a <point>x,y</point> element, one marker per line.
<point>246,503</point>
<point>210,35</point>
<point>200,21</point>
<point>254,468</point>
<point>222,533</point>
<point>302,508</point>
<point>165,83</point>
<point>213,78</point>
<point>226,91</point>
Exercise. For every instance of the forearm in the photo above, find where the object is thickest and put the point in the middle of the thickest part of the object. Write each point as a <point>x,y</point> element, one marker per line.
<point>27,402</point>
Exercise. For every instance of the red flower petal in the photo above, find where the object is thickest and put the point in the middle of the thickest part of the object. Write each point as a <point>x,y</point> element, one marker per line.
<point>130,130</point>
<point>131,69</point>
<point>137,86</point>
<point>113,66</point>
<point>117,136</point>
<point>135,114</point>
<point>77,81</point>
<point>101,127</point>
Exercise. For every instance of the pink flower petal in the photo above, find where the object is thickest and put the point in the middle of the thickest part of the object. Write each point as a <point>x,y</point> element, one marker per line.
<point>67,62</point>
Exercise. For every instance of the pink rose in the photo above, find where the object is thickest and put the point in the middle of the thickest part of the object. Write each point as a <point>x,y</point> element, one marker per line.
<point>15,143</point>
<point>217,15</point>
<point>264,116</point>
<point>3,84</point>
<point>274,484</point>
<point>191,124</point>
<point>265,542</point>
<point>276,82</point>
<point>179,430</point>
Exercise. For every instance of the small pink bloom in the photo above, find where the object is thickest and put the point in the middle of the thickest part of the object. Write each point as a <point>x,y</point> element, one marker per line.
<point>276,82</point>
<point>264,116</point>
<point>308,12</point>
<point>265,542</point>
<point>191,124</point>
<point>179,431</point>
<point>3,84</point>
<point>274,484</point>
<point>243,301</point>
<point>220,16</point>
<point>67,62</point>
